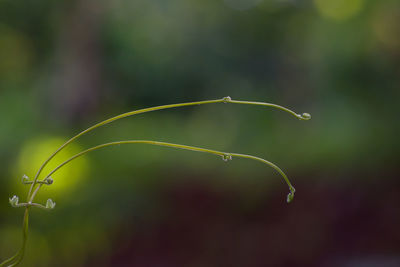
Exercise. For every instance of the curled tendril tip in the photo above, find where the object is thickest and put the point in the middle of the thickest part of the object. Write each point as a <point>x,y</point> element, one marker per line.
<point>25,179</point>
<point>50,204</point>
<point>14,201</point>
<point>290,196</point>
<point>305,116</point>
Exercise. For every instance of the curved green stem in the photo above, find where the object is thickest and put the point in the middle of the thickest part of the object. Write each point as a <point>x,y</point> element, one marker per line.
<point>225,156</point>
<point>124,115</point>
<point>33,191</point>
<point>304,116</point>
<point>290,196</point>
<point>10,260</point>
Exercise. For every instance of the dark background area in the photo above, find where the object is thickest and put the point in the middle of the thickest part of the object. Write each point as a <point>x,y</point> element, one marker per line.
<point>65,65</point>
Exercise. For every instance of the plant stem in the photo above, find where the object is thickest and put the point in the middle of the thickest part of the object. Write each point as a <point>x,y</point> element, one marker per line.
<point>131,113</point>
<point>225,155</point>
<point>16,259</point>
<point>124,115</point>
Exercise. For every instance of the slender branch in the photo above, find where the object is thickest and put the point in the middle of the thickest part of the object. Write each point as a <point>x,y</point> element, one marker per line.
<point>12,259</point>
<point>304,116</point>
<point>290,196</point>
<point>36,185</point>
<point>124,115</point>
<point>225,156</point>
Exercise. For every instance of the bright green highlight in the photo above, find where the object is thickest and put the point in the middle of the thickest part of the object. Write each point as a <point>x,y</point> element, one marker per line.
<point>37,150</point>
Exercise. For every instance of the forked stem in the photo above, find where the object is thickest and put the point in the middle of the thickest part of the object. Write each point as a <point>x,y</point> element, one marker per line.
<point>16,259</point>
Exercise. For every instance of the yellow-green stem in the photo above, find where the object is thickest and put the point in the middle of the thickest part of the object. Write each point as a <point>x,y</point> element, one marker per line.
<point>304,116</point>
<point>33,191</point>
<point>225,155</point>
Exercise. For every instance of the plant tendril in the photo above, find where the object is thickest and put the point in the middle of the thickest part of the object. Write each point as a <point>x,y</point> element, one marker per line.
<point>37,184</point>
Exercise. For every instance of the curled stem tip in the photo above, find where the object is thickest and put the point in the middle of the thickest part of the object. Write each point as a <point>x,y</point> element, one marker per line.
<point>14,201</point>
<point>47,181</point>
<point>290,196</point>
<point>305,116</point>
<point>50,204</point>
<point>25,179</point>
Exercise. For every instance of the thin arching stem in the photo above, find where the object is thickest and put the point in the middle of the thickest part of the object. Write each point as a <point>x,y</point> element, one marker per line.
<point>225,156</point>
<point>304,116</point>
<point>34,188</point>
<point>13,258</point>
<point>268,163</point>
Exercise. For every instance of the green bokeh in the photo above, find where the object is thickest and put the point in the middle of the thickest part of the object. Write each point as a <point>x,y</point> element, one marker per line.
<point>65,65</point>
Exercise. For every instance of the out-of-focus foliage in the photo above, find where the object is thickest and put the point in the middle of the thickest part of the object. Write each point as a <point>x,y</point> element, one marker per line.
<point>65,65</point>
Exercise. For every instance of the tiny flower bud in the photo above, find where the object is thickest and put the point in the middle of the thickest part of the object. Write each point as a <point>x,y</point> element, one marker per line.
<point>227,99</point>
<point>25,179</point>
<point>50,204</point>
<point>306,116</point>
<point>49,180</point>
<point>290,197</point>
<point>14,201</point>
<point>226,157</point>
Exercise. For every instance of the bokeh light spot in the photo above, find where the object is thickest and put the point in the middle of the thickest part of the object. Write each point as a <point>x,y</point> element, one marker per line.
<point>36,151</point>
<point>339,9</point>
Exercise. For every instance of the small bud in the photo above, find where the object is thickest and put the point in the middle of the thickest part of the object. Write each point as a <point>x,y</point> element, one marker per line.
<point>49,180</point>
<point>290,196</point>
<point>227,99</point>
<point>25,179</point>
<point>14,201</point>
<point>306,116</point>
<point>226,157</point>
<point>50,204</point>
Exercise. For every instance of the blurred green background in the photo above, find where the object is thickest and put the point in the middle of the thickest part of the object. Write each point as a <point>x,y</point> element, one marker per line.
<point>65,65</point>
